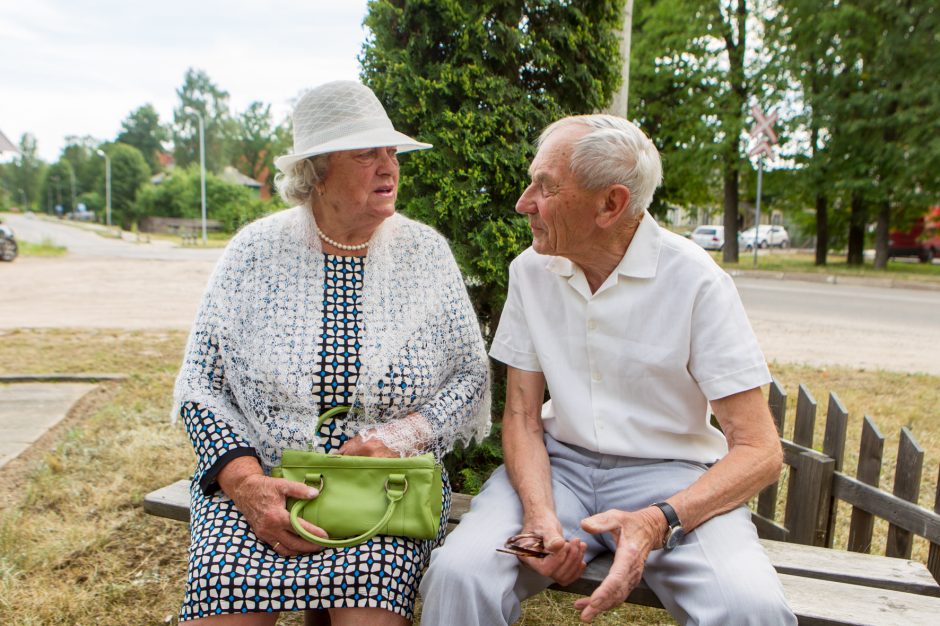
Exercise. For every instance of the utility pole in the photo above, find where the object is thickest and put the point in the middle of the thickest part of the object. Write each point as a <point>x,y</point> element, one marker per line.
<point>619,104</point>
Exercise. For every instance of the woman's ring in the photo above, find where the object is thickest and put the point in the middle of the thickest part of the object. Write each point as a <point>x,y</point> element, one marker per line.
<point>276,544</point>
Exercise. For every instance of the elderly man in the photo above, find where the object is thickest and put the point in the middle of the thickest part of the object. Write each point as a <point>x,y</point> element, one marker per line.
<point>636,331</point>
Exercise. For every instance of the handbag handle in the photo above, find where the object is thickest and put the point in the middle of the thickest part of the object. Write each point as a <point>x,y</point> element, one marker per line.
<point>336,410</point>
<point>395,487</point>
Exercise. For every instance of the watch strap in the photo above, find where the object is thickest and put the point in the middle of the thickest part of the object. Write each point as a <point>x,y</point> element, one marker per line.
<point>672,521</point>
<point>672,518</point>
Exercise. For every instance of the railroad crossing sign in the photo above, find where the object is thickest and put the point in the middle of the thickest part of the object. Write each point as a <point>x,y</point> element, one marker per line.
<point>763,129</point>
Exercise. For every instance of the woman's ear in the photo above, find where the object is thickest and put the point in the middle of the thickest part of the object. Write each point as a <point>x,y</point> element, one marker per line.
<point>616,200</point>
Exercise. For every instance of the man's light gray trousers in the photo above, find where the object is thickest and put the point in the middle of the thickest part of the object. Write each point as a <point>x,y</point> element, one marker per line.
<point>719,574</point>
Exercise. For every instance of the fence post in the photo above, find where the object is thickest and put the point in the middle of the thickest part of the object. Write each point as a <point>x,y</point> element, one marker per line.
<point>805,418</point>
<point>777,400</point>
<point>869,472</point>
<point>808,498</point>
<point>907,486</point>
<point>837,419</point>
<point>933,557</point>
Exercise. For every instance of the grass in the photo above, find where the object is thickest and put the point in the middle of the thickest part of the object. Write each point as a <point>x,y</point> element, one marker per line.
<point>798,261</point>
<point>76,547</point>
<point>46,248</point>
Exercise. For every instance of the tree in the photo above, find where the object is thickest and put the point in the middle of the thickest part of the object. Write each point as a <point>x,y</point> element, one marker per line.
<point>88,167</point>
<point>199,93</point>
<point>142,129</point>
<point>866,75</point>
<point>129,171</point>
<point>57,187</point>
<point>255,143</point>
<point>697,69</point>
<point>479,81</point>
<point>179,195</point>
<point>24,174</point>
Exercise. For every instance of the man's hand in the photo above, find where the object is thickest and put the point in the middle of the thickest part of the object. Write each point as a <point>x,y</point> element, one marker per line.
<point>263,502</point>
<point>635,535</point>
<point>566,563</point>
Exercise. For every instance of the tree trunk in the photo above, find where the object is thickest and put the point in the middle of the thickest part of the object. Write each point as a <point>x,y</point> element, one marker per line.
<point>857,221</point>
<point>822,229</point>
<point>881,236</point>
<point>730,251</point>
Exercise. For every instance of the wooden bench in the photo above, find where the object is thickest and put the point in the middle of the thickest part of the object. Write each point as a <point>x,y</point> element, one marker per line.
<point>823,586</point>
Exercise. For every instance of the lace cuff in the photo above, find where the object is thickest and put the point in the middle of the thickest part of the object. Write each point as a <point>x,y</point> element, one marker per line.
<point>408,436</point>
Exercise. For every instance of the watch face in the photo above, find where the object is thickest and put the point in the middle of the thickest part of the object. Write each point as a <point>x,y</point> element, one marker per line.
<point>674,537</point>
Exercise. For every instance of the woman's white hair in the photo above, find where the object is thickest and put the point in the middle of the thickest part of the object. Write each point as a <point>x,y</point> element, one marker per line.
<point>614,152</point>
<point>297,184</point>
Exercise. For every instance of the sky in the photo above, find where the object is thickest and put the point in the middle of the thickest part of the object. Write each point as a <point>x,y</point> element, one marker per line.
<point>79,67</point>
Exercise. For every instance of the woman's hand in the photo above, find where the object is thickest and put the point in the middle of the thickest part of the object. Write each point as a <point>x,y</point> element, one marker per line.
<point>357,446</point>
<point>409,435</point>
<point>263,502</point>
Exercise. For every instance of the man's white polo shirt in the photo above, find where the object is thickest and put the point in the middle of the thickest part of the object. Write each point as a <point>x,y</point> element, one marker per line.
<point>630,368</point>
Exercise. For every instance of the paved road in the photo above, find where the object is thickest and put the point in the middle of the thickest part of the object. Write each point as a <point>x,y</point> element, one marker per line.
<point>863,326</point>
<point>91,241</point>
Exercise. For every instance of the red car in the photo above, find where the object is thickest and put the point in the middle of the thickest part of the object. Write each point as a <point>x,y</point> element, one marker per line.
<point>922,240</point>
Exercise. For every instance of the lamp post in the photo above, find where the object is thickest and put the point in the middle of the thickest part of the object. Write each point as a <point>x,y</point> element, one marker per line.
<point>202,166</point>
<point>107,183</point>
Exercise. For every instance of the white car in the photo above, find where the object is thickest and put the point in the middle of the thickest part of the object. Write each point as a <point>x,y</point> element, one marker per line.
<point>767,235</point>
<point>709,237</point>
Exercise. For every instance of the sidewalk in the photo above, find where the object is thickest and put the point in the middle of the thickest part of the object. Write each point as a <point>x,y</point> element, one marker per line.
<point>28,410</point>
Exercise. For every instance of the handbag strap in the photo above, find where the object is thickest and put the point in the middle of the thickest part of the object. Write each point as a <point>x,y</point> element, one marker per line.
<point>395,487</point>
<point>336,410</point>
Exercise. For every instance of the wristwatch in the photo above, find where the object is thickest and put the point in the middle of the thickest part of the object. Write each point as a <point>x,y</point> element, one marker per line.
<point>675,533</point>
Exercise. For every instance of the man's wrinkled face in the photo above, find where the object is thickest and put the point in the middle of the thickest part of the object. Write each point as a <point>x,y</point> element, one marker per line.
<point>560,212</point>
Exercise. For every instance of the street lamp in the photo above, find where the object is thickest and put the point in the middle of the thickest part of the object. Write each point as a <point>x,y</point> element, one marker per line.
<point>107,183</point>
<point>202,166</point>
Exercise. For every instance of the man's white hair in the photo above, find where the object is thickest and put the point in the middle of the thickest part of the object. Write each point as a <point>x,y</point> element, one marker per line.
<point>614,152</point>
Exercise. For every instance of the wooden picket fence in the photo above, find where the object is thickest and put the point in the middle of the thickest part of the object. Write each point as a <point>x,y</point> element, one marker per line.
<point>816,484</point>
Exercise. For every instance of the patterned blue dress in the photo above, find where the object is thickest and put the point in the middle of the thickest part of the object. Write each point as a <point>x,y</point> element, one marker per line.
<point>230,569</point>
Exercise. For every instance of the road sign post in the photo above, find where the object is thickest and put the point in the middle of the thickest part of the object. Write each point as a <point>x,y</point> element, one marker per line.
<point>763,129</point>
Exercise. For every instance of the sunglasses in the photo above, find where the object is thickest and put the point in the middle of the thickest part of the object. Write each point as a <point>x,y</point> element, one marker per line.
<point>525,544</point>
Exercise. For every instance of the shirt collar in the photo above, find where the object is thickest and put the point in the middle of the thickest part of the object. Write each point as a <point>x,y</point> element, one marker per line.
<point>639,261</point>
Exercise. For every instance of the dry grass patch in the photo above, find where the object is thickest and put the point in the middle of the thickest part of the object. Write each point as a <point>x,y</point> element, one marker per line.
<point>75,546</point>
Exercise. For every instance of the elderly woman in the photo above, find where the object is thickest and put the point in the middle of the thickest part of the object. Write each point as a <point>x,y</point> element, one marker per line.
<point>337,301</point>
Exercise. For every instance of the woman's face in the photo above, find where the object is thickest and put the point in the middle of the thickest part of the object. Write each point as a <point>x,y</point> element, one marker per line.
<point>361,186</point>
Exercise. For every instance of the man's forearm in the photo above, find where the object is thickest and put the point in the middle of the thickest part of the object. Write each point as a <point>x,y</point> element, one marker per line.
<point>732,481</point>
<point>528,466</point>
<point>523,444</point>
<point>753,461</point>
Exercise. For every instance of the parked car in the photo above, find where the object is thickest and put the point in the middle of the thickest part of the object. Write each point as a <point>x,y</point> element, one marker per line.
<point>8,247</point>
<point>921,240</point>
<point>709,237</point>
<point>767,235</point>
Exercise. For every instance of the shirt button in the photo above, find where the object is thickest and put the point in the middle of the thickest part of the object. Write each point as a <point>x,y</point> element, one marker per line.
<point>592,324</point>
<point>596,377</point>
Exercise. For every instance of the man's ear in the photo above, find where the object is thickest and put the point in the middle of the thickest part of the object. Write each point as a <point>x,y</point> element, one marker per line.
<point>615,203</point>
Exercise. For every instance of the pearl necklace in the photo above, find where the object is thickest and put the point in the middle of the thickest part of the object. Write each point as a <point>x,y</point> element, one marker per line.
<point>341,246</point>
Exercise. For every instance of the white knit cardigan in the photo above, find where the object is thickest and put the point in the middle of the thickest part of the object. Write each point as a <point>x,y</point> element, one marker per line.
<point>254,348</point>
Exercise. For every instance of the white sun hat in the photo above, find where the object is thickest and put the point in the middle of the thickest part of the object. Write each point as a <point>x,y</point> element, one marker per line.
<point>342,115</point>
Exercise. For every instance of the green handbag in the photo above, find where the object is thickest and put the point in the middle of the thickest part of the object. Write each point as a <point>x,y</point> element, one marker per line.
<point>363,496</point>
